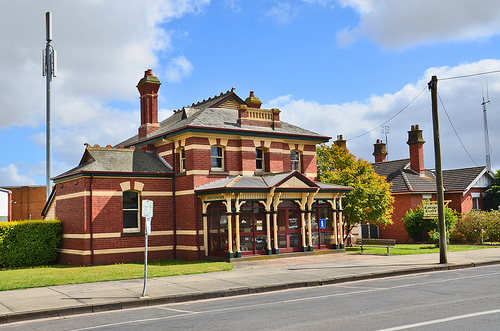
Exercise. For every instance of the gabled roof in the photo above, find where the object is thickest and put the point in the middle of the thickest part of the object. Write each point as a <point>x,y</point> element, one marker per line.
<point>218,114</point>
<point>403,179</point>
<point>291,180</point>
<point>112,160</point>
<point>465,178</point>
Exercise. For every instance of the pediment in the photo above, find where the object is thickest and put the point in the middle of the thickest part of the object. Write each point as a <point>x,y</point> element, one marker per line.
<point>294,182</point>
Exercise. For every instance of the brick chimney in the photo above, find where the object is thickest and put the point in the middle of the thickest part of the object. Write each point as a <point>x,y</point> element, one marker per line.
<point>340,142</point>
<point>253,101</point>
<point>148,89</point>
<point>379,151</point>
<point>416,143</point>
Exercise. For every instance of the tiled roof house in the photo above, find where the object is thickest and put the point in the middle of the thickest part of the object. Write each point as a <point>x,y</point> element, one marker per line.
<point>411,183</point>
<point>227,179</point>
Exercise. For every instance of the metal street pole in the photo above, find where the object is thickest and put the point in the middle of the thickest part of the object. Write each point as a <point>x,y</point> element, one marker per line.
<point>49,70</point>
<point>439,171</point>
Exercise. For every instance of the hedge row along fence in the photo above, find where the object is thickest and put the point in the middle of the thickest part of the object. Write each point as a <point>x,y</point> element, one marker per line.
<point>478,226</point>
<point>29,243</point>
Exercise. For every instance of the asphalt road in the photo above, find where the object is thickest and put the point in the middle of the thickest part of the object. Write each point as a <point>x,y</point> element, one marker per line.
<point>465,299</point>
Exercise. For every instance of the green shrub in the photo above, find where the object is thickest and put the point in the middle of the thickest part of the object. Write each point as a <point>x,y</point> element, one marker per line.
<point>478,223</point>
<point>29,243</point>
<point>419,228</point>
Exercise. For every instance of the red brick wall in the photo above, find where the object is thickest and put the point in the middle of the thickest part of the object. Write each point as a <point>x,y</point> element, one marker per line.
<point>107,218</point>
<point>402,203</point>
<point>30,201</point>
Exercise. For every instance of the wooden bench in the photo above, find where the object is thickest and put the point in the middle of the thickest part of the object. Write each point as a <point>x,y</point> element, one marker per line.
<point>375,242</point>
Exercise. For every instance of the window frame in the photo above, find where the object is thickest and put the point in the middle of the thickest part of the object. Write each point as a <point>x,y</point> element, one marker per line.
<point>262,160</point>
<point>137,210</point>
<point>182,160</point>
<point>217,157</point>
<point>295,164</point>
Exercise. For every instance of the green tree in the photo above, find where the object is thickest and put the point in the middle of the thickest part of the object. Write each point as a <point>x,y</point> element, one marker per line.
<point>419,228</point>
<point>492,198</point>
<point>370,199</point>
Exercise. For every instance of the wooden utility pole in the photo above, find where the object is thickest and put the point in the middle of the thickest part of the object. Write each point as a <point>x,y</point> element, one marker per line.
<point>439,171</point>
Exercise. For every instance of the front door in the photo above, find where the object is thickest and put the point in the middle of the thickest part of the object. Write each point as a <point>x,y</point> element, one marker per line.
<point>289,226</point>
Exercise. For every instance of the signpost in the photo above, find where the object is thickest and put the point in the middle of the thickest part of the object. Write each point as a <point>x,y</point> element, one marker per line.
<point>147,212</point>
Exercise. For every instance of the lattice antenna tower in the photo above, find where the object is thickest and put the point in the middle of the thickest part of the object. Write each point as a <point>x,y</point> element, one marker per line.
<point>385,131</point>
<point>487,146</point>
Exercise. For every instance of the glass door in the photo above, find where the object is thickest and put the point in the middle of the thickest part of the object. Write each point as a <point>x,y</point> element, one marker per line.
<point>289,239</point>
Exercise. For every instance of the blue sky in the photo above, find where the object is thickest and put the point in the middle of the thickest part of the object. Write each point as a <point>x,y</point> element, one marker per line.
<point>331,66</point>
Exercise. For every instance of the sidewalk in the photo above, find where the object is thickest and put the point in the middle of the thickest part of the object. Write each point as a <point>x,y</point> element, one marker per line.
<point>246,277</point>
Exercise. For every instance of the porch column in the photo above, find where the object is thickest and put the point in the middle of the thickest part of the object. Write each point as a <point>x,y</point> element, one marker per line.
<point>275,230</point>
<point>268,228</point>
<point>335,229</point>
<point>303,230</point>
<point>341,222</point>
<point>309,230</point>
<point>230,234</point>
<point>204,207</point>
<point>205,233</point>
<point>238,247</point>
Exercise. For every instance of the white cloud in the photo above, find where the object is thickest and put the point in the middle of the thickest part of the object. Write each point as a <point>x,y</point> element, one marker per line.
<point>461,100</point>
<point>11,176</point>
<point>178,68</point>
<point>397,24</point>
<point>282,13</point>
<point>102,46</point>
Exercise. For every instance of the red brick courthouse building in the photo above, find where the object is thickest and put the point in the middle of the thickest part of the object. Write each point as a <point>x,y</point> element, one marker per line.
<point>227,179</point>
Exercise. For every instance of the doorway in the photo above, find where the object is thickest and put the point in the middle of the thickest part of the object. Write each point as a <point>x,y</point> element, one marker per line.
<point>289,227</point>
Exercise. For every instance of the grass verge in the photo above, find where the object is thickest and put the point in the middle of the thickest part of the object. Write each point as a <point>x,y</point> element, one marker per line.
<point>21,278</point>
<point>410,249</point>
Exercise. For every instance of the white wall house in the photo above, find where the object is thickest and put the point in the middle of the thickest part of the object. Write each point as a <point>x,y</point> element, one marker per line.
<point>5,196</point>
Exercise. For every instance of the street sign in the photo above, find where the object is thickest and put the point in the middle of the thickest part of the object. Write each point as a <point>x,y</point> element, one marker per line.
<point>147,212</point>
<point>147,208</point>
<point>430,210</point>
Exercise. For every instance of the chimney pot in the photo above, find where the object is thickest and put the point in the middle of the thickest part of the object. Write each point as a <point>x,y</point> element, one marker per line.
<point>416,143</point>
<point>380,151</point>
<point>148,89</point>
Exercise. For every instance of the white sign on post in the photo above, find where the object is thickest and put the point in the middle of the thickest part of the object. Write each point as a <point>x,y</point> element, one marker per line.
<point>147,212</point>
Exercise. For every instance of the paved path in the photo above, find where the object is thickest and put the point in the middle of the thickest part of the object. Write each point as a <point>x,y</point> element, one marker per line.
<point>246,277</point>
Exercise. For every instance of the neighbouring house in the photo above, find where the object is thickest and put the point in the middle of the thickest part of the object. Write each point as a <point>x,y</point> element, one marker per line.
<point>27,201</point>
<point>227,179</point>
<point>411,183</point>
<point>5,205</point>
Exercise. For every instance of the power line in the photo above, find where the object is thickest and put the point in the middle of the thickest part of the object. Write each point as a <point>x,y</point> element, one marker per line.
<point>456,133</point>
<point>471,75</point>
<point>390,119</point>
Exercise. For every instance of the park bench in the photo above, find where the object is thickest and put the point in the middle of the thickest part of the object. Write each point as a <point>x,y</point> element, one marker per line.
<point>375,242</point>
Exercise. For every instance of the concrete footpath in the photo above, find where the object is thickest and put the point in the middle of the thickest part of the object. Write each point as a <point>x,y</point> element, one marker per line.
<point>246,277</point>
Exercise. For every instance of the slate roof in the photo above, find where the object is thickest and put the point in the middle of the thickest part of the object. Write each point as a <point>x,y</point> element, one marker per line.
<point>462,179</point>
<point>265,182</point>
<point>203,116</point>
<point>111,160</point>
<point>403,179</point>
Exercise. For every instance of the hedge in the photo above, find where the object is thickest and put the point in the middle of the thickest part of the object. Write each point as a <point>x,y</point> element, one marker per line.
<point>477,226</point>
<point>29,243</point>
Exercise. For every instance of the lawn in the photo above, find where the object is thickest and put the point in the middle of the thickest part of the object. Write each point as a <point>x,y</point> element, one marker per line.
<point>410,249</point>
<point>20,278</point>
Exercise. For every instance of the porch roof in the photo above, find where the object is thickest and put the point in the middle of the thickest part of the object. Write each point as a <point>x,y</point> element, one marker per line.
<point>285,181</point>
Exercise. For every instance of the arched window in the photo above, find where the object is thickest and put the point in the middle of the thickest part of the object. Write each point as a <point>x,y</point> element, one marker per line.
<point>295,160</point>
<point>217,158</point>
<point>130,211</point>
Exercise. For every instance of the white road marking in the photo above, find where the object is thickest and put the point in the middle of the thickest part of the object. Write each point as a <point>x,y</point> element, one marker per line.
<point>442,320</point>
